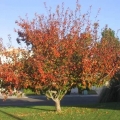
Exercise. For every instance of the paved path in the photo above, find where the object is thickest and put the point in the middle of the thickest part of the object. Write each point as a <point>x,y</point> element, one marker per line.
<point>68,100</point>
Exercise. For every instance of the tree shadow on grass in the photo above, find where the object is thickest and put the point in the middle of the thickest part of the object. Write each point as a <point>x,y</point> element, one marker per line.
<point>96,106</point>
<point>41,109</point>
<point>107,106</point>
<point>10,115</point>
<point>111,106</point>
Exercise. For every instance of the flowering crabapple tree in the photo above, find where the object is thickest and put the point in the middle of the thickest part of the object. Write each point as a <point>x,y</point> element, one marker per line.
<point>64,51</point>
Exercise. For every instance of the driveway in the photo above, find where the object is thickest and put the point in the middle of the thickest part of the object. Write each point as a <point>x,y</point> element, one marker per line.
<point>68,100</point>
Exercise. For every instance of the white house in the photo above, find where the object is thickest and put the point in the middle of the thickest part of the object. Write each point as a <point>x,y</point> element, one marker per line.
<point>8,55</point>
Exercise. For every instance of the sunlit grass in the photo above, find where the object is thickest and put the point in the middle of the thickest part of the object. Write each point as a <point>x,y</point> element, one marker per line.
<point>108,111</point>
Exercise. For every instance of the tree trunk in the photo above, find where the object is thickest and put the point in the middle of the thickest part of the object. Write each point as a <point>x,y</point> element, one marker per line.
<point>57,105</point>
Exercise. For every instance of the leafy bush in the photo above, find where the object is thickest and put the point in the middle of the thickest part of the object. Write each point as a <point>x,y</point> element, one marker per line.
<point>28,91</point>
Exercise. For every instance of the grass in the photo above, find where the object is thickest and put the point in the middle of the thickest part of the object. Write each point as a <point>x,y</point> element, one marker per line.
<point>99,111</point>
<point>28,92</point>
<point>92,92</point>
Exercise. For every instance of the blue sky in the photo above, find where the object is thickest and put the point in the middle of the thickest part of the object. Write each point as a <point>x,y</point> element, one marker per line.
<point>10,10</point>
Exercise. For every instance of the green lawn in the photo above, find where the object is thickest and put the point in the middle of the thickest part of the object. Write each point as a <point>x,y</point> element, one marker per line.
<point>109,111</point>
<point>92,92</point>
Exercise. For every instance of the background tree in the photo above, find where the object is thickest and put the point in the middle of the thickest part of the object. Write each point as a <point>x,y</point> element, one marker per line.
<point>111,41</point>
<point>10,70</point>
